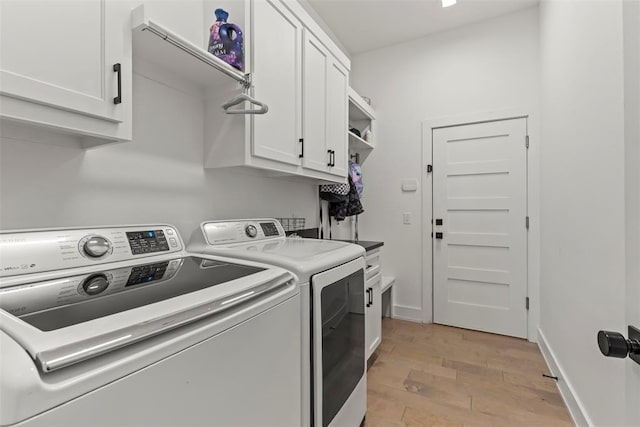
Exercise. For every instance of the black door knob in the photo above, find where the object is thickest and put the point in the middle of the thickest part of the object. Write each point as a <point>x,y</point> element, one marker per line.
<point>614,344</point>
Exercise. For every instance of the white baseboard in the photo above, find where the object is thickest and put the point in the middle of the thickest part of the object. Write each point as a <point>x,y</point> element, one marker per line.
<point>575,407</point>
<point>403,312</point>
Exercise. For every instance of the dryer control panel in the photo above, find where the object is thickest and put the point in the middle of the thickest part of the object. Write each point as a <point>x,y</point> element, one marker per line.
<point>241,231</point>
<point>38,251</point>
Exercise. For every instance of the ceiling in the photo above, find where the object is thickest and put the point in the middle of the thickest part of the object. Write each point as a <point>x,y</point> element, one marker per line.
<point>363,25</point>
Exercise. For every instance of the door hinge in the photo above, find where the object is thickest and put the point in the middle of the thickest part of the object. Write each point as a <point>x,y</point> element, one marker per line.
<point>526,222</point>
<point>526,304</point>
<point>526,141</point>
<point>429,168</point>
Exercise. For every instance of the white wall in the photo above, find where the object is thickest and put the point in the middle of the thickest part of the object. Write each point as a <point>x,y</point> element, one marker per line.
<point>489,66</point>
<point>631,24</point>
<point>156,178</point>
<point>583,201</point>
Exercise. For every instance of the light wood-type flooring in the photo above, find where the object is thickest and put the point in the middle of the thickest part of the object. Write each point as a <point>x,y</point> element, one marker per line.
<point>428,375</point>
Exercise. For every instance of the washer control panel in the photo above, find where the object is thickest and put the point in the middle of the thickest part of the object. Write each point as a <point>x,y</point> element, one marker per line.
<point>29,298</point>
<point>240,231</point>
<point>148,241</point>
<point>95,246</point>
<point>46,250</point>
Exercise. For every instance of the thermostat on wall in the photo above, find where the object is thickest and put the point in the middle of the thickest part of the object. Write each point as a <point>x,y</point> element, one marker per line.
<point>409,185</point>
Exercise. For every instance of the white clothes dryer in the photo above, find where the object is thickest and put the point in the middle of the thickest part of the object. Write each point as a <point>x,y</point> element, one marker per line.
<point>332,278</point>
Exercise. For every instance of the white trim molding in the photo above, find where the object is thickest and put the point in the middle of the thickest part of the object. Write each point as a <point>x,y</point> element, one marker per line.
<point>571,400</point>
<point>403,312</point>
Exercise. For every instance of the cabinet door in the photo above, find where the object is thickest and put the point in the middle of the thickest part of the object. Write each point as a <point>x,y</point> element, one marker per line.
<point>276,64</point>
<point>373,333</point>
<point>314,111</point>
<point>337,117</point>
<point>61,53</point>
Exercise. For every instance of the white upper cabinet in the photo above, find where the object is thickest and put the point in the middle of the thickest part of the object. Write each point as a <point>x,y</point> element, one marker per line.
<point>337,117</point>
<point>325,84</point>
<point>317,60</point>
<point>302,76</point>
<point>276,55</point>
<point>66,65</point>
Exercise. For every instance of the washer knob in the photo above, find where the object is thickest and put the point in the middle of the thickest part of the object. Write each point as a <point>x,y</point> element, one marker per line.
<point>96,246</point>
<point>251,230</point>
<point>95,284</point>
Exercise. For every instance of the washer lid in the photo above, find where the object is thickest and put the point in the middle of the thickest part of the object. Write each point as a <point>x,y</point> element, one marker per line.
<point>303,257</point>
<point>59,322</point>
<point>69,301</point>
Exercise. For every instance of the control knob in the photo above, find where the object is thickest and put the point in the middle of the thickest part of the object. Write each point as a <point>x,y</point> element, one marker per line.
<point>96,246</point>
<point>251,230</point>
<point>95,284</point>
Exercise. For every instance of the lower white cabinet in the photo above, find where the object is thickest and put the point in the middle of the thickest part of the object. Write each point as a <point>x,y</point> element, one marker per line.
<point>67,66</point>
<point>373,301</point>
<point>373,325</point>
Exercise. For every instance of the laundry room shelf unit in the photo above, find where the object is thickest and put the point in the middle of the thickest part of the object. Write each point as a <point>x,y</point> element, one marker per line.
<point>361,117</point>
<point>159,45</point>
<point>357,143</point>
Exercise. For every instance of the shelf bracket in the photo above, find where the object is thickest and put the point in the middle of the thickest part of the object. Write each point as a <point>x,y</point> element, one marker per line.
<point>246,82</point>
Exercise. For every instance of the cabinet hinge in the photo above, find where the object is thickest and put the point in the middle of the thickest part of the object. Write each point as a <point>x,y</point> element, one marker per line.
<point>526,222</point>
<point>526,141</point>
<point>429,168</point>
<point>526,303</point>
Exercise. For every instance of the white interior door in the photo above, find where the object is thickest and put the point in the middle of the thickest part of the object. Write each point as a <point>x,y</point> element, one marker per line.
<point>480,248</point>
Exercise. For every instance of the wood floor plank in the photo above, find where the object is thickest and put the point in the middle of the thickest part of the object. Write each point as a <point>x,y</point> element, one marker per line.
<point>473,369</point>
<point>536,381</point>
<point>427,375</point>
<point>433,367</point>
<point>463,415</point>
<point>387,409</point>
<point>417,418</point>
<point>437,388</point>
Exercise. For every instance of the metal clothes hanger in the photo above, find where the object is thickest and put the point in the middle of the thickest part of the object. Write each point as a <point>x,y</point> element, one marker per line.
<point>240,99</point>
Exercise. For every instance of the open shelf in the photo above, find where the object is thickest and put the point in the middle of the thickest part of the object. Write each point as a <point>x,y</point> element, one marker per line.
<point>357,143</point>
<point>157,44</point>
<point>358,108</point>
<point>387,283</point>
<point>361,117</point>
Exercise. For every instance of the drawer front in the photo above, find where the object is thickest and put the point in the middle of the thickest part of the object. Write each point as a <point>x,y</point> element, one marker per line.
<point>373,279</point>
<point>372,270</point>
<point>373,263</point>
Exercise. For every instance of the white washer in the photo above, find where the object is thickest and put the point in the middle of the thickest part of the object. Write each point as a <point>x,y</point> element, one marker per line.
<point>331,276</point>
<point>121,326</point>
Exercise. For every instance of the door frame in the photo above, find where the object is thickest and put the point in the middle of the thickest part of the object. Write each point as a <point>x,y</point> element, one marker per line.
<point>533,206</point>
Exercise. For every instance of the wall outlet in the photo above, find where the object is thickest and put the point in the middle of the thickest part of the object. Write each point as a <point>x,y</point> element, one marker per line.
<point>406,218</point>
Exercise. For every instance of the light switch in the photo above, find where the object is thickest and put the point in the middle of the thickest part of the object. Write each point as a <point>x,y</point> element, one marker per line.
<point>409,185</point>
<point>406,218</point>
